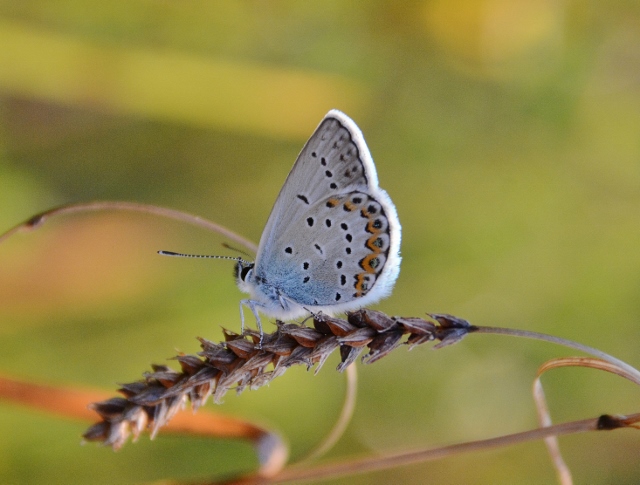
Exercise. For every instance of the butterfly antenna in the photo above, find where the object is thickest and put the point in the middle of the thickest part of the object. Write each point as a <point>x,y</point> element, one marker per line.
<point>204,256</point>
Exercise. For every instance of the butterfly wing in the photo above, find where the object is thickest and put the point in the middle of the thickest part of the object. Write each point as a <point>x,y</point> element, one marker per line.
<point>333,236</point>
<point>334,160</point>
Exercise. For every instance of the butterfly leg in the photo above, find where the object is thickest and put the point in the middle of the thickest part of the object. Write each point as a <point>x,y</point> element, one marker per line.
<point>311,315</point>
<point>252,304</point>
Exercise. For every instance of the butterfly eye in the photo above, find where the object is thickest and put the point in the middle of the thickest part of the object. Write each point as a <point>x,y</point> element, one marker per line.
<point>241,271</point>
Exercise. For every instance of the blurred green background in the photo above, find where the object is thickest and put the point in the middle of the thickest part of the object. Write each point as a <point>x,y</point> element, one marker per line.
<point>507,133</point>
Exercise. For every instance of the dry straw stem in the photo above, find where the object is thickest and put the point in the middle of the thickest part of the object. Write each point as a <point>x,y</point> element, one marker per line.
<point>237,364</point>
<point>544,416</point>
<point>370,464</point>
<point>36,221</point>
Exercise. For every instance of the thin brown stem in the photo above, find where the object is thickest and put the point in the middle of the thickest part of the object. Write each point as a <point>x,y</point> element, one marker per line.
<point>107,205</point>
<point>375,463</point>
<point>632,373</point>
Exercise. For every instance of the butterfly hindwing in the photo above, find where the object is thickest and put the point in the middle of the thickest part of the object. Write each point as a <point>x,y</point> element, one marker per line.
<point>334,253</point>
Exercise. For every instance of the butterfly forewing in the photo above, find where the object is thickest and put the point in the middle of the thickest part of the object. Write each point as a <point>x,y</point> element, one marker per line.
<point>334,160</point>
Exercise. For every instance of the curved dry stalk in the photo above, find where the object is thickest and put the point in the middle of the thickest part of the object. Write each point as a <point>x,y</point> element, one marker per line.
<point>39,219</point>
<point>62,401</point>
<point>632,373</point>
<point>589,362</point>
<point>544,416</point>
<point>603,361</point>
<point>551,442</point>
<point>346,413</point>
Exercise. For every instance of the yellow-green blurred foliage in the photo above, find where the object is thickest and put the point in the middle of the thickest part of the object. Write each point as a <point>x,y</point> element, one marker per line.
<point>507,133</point>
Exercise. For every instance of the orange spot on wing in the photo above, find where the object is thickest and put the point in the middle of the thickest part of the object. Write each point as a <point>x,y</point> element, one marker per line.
<point>371,244</point>
<point>371,228</point>
<point>349,206</point>
<point>366,265</point>
<point>360,284</point>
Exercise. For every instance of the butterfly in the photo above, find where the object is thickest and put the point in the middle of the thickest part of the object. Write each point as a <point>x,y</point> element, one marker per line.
<point>332,241</point>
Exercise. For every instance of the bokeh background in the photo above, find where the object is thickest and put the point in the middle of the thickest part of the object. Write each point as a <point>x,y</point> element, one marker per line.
<point>506,132</point>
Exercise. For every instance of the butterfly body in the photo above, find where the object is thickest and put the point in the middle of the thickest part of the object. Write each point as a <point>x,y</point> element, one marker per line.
<point>332,241</point>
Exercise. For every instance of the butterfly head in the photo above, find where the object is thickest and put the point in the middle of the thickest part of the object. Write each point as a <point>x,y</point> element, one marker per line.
<point>243,273</point>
